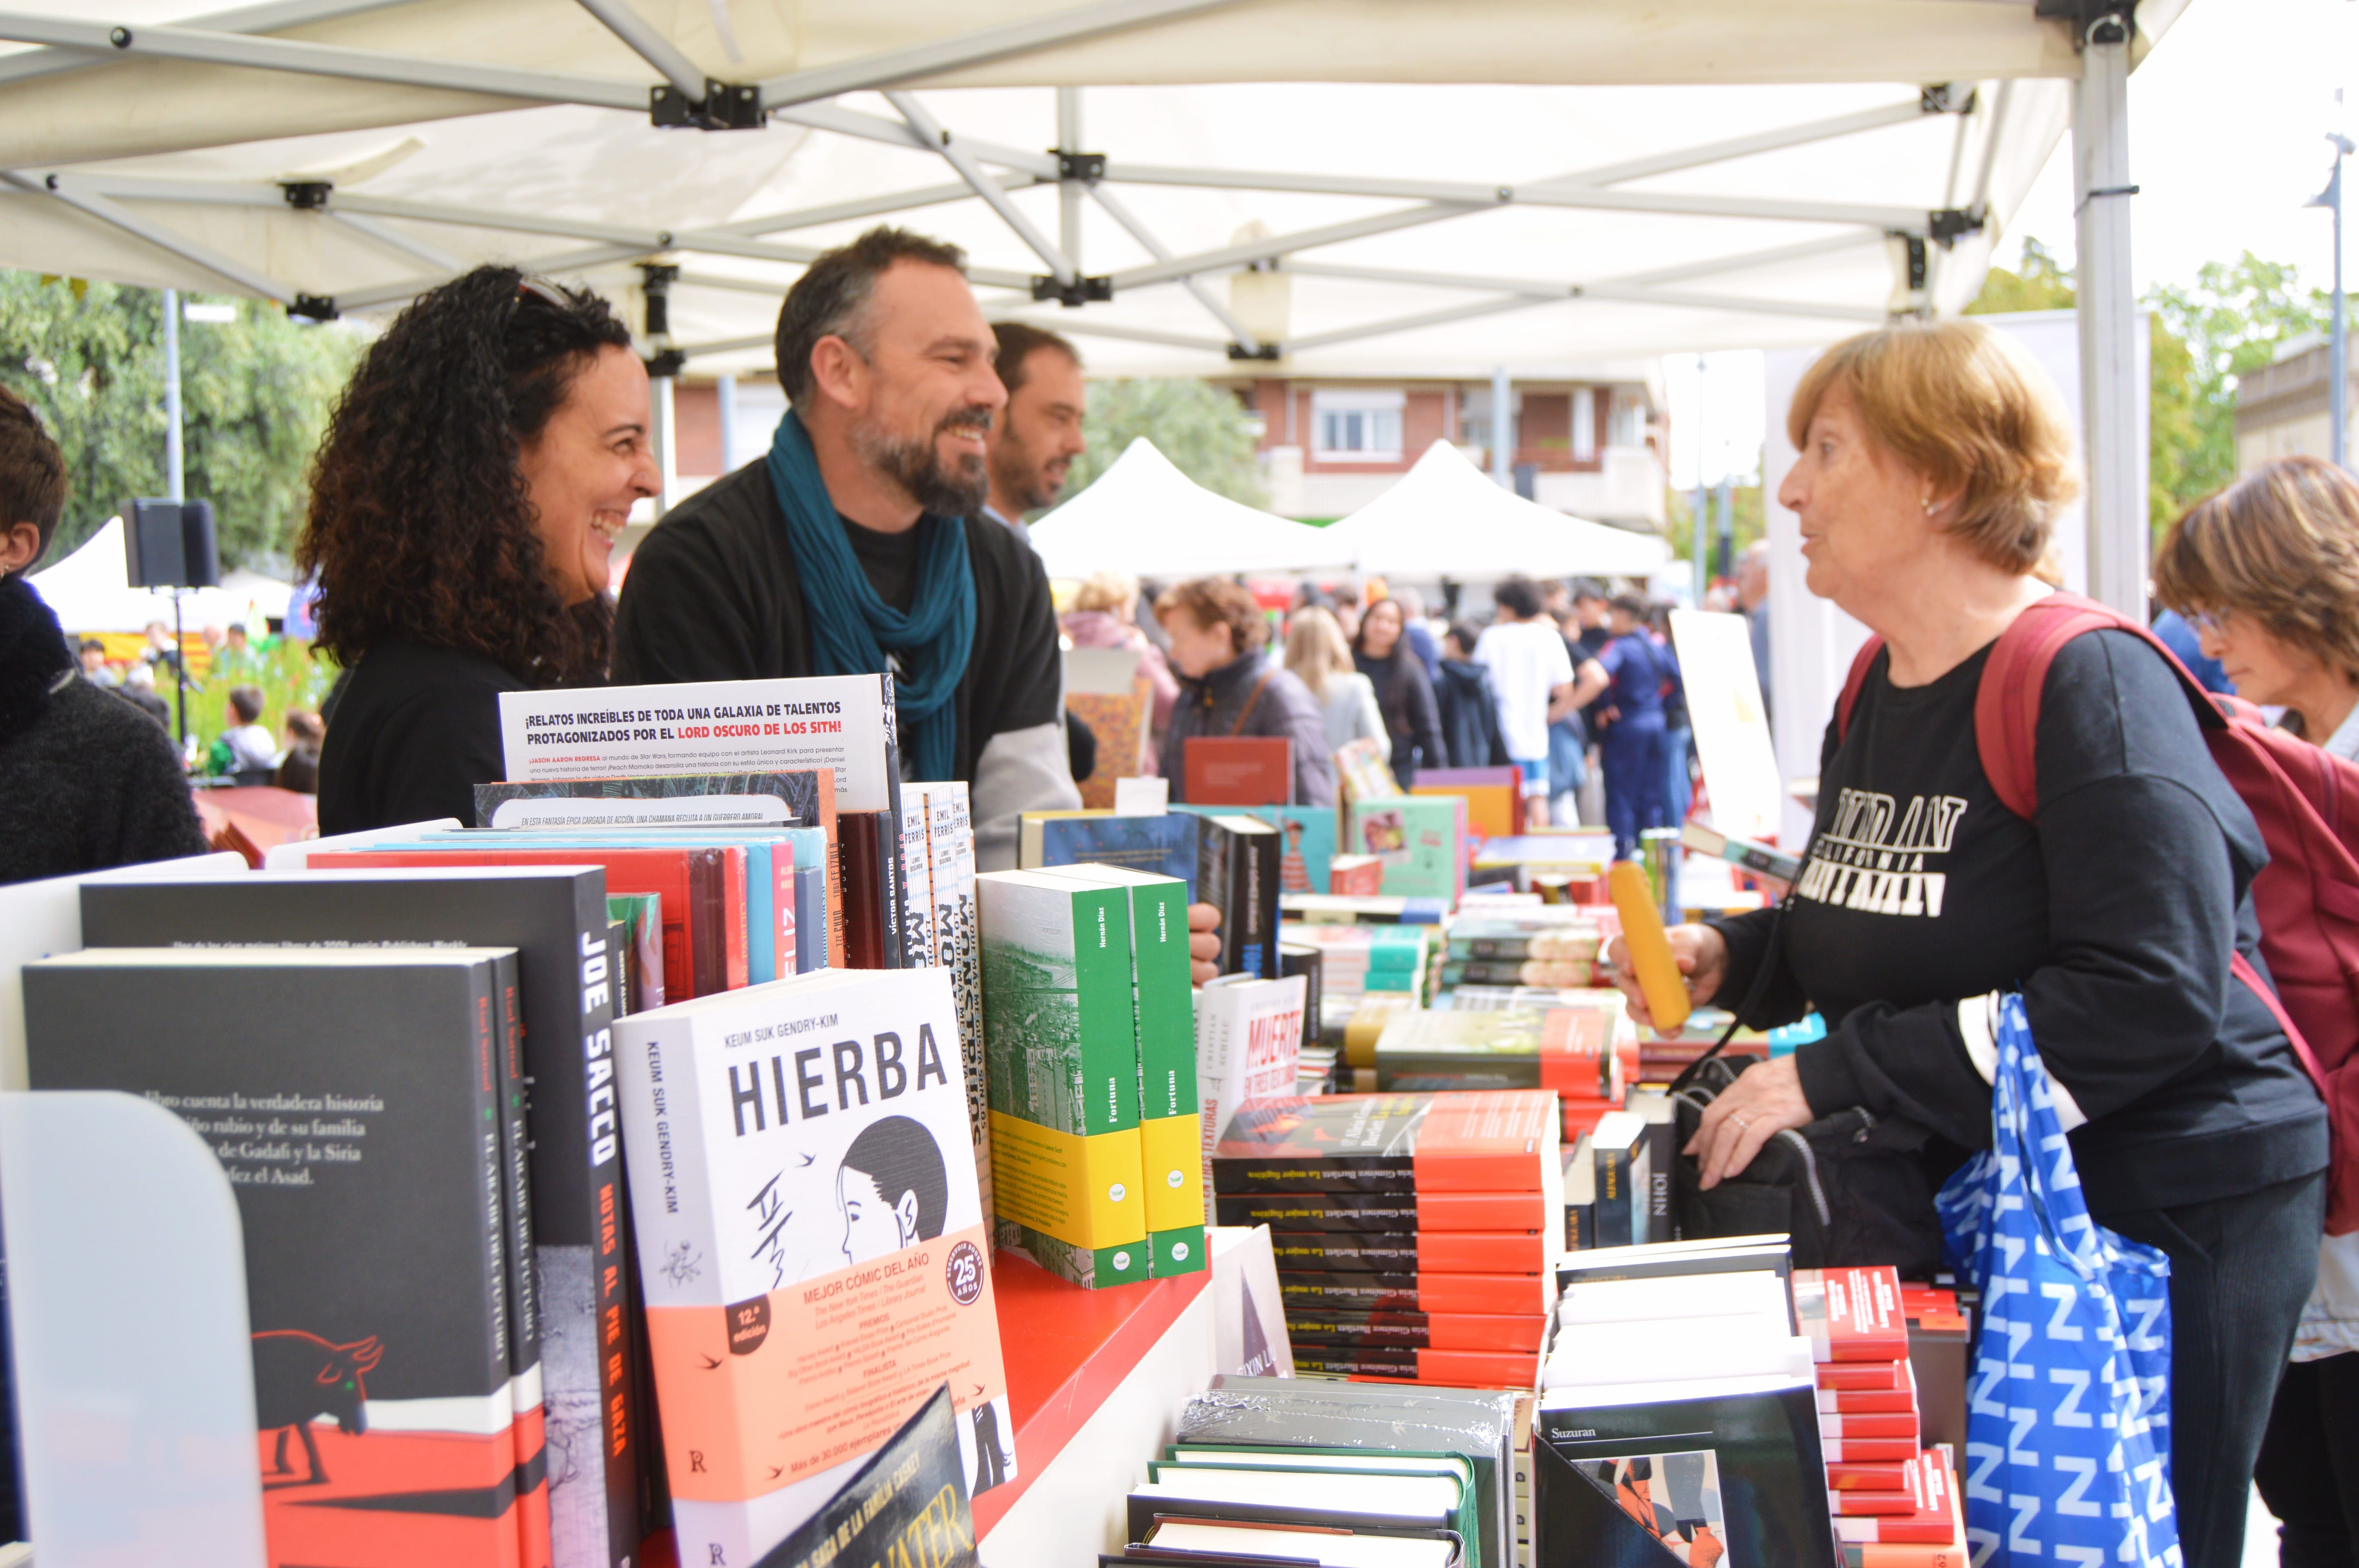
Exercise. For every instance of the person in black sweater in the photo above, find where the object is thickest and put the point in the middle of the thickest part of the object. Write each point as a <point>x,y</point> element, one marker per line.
<point>1404,693</point>
<point>87,781</point>
<point>1467,707</point>
<point>1932,460</point>
<point>466,499</point>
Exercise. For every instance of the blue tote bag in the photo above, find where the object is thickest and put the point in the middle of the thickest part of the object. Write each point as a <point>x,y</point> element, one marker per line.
<point>2068,1427</point>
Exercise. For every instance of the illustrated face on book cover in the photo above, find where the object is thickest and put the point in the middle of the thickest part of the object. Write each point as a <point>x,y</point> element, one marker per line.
<point>892,1189</point>
<point>1384,832</point>
<point>1676,1497</point>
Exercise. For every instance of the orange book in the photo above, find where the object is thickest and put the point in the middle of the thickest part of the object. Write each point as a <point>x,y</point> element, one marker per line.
<point>1237,769</point>
<point>1935,1525</point>
<point>1889,1373</point>
<point>1117,719</point>
<point>1851,1426</point>
<point>1851,1476</point>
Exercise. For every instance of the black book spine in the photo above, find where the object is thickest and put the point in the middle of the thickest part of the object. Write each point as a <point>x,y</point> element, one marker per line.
<point>864,928</point>
<point>1348,1292</point>
<point>892,882</point>
<point>1614,1205</point>
<point>708,920</point>
<point>524,1304</point>
<point>1215,850</point>
<point>618,960</point>
<point>1391,1252</point>
<point>1385,1330</point>
<point>1319,1211</point>
<point>1254,867</point>
<point>488,1113</point>
<point>585,1075</point>
<point>1662,1150</point>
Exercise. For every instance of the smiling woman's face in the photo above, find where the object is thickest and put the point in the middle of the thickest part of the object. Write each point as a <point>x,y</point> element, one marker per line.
<point>586,468</point>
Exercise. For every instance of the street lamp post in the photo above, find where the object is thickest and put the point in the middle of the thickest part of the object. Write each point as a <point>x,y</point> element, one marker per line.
<point>2338,355</point>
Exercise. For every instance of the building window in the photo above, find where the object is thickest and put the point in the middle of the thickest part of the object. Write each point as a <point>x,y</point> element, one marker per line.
<point>1363,427</point>
<point>1585,425</point>
<point>1625,424</point>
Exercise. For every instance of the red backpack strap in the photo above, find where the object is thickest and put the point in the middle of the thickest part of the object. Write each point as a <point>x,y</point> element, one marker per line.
<point>2006,704</point>
<point>1852,682</point>
<point>2243,971</point>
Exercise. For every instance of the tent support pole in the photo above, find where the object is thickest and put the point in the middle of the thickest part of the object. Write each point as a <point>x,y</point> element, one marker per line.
<point>2110,392</point>
<point>1069,187</point>
<point>156,234</point>
<point>267,19</point>
<point>1503,429</point>
<point>650,44</point>
<point>932,134</point>
<point>1116,209</point>
<point>386,234</point>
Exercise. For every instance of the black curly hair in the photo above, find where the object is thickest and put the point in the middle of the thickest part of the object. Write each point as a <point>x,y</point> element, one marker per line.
<point>420,525</point>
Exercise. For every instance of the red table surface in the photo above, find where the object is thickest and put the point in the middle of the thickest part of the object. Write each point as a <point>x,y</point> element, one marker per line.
<point>1066,1349</point>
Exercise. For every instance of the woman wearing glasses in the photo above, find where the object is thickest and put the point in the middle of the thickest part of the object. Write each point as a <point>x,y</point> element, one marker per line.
<point>2268,573</point>
<point>464,506</point>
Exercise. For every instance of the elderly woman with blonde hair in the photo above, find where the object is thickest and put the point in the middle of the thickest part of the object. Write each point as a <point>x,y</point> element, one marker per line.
<point>1932,460</point>
<point>1104,614</point>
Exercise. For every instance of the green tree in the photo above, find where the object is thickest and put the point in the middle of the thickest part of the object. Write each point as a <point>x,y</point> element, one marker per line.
<point>2200,339</point>
<point>254,395</point>
<point>1200,428</point>
<point>1746,521</point>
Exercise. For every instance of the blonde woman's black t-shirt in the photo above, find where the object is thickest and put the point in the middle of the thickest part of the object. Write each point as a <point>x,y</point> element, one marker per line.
<point>2114,914</point>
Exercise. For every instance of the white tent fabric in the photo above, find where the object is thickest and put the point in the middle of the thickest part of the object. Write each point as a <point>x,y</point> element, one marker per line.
<point>1446,519</point>
<point>1144,517</point>
<point>90,591</point>
<point>1629,179</point>
<point>267,594</point>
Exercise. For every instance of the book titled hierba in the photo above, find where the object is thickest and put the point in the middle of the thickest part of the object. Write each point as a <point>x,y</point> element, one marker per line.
<point>812,1244</point>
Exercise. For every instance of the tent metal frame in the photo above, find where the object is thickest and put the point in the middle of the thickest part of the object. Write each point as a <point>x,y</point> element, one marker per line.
<point>2104,30</point>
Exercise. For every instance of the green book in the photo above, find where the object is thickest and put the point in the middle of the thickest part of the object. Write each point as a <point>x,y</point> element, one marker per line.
<point>1164,1015</point>
<point>1062,1068</point>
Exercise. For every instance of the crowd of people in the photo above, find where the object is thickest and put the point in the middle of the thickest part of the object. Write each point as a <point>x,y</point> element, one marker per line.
<point>476,474</point>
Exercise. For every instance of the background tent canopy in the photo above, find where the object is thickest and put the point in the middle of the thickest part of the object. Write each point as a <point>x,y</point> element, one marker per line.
<point>90,591</point>
<point>343,154</point>
<point>1446,519</point>
<point>1144,517</point>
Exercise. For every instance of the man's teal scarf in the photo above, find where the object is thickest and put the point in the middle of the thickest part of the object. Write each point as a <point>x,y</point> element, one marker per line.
<point>852,629</point>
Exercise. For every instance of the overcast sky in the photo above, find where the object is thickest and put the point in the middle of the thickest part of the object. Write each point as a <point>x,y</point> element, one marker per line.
<point>2228,119</point>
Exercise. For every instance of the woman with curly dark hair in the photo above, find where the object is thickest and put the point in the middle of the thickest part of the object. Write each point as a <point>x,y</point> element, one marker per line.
<point>465,502</point>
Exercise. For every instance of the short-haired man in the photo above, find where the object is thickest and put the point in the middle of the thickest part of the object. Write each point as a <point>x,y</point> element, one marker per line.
<point>86,781</point>
<point>1640,674</point>
<point>858,544</point>
<point>94,663</point>
<point>1037,436</point>
<point>247,745</point>
<point>1533,676</point>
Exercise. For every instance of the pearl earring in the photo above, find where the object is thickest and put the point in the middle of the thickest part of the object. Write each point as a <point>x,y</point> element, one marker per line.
<point>1929,507</point>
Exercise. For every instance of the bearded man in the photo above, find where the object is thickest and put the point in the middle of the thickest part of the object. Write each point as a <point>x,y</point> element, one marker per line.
<point>859,543</point>
<point>1038,434</point>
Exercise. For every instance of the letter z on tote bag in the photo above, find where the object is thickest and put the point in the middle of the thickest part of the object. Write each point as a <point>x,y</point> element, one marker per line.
<point>2067,1434</point>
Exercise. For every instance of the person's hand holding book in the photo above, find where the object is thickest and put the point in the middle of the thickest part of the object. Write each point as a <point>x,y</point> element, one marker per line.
<point>1701,954</point>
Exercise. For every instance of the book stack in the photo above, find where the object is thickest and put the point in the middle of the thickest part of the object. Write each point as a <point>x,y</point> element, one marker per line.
<point>1414,1232</point>
<point>1363,909</point>
<point>1355,960</point>
<point>1858,1330</point>
<point>1306,841</point>
<point>1583,1052</point>
<point>1677,1412</point>
<point>1320,1434</point>
<point>1060,1039</point>
<point>1521,949</point>
<point>1933,1536</point>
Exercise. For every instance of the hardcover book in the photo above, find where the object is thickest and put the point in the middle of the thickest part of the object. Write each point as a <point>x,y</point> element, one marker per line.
<point>1062,1057</point>
<point>1248,1047</point>
<point>1163,1018</point>
<point>1420,839</point>
<point>556,921</point>
<point>1164,846</point>
<point>353,1097</point>
<point>907,1504</point>
<point>1500,1141</point>
<point>805,1197</point>
<point>1247,770</point>
<point>1237,873</point>
<point>1935,1521</point>
<point>1623,1480</point>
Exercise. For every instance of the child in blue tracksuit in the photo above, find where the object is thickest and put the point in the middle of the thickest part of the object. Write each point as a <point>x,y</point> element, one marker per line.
<point>1639,673</point>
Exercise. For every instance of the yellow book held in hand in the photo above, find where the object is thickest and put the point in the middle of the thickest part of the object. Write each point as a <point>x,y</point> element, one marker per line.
<point>1659,980</point>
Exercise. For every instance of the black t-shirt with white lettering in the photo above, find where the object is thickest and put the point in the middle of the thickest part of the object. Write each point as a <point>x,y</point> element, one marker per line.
<point>2114,914</point>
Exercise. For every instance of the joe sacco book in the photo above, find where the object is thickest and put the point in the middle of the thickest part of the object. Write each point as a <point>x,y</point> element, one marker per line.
<point>802,1177</point>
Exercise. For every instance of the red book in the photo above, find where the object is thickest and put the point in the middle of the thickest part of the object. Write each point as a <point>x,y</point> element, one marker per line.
<point>1870,1402</point>
<point>1850,1476</point>
<point>1483,1141</point>
<point>699,958</point>
<point>1418,1292</point>
<point>1851,1374</point>
<point>1868,1450</point>
<point>1241,770</point>
<point>1358,874</point>
<point>1852,1314</point>
<point>1866,1502</point>
<point>1881,1423</point>
<point>1933,1522</point>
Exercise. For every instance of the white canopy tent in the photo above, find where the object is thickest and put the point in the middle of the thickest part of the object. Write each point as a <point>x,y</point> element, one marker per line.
<point>90,591</point>
<point>1302,187</point>
<point>1144,517</point>
<point>1445,520</point>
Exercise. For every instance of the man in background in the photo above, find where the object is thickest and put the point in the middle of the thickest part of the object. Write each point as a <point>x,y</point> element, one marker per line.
<point>94,663</point>
<point>1419,635</point>
<point>1037,434</point>
<point>1533,676</point>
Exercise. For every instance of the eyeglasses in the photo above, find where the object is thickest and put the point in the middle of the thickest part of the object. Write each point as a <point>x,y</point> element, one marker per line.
<point>541,289</point>
<point>2213,620</point>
